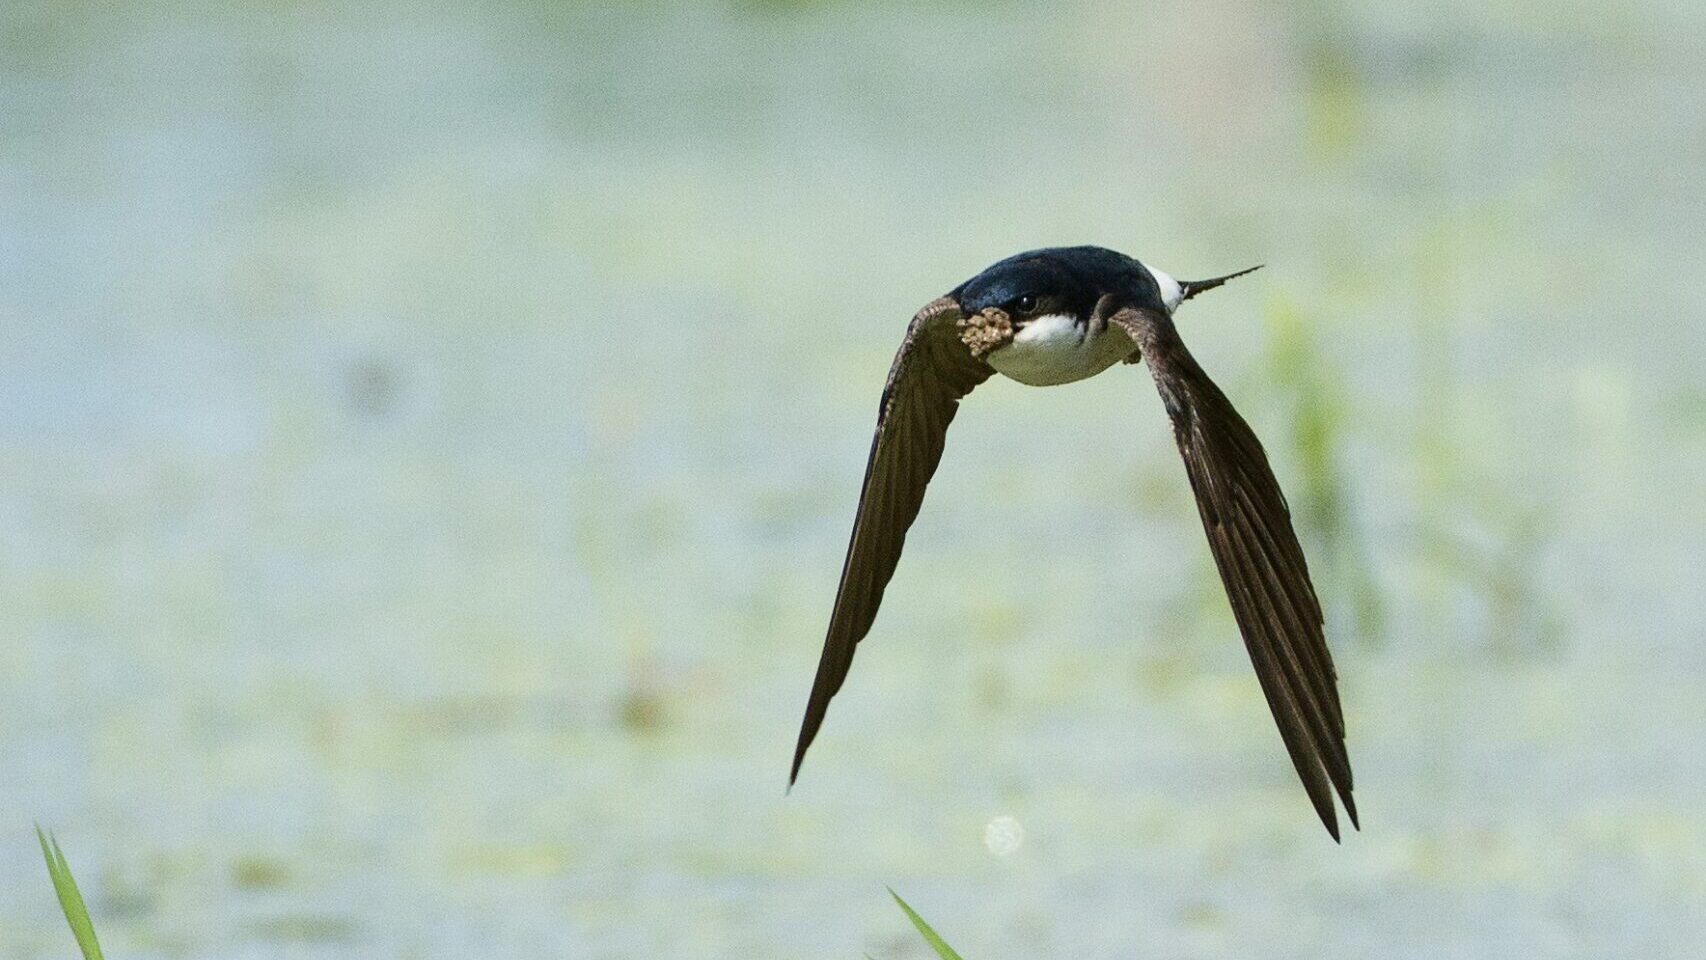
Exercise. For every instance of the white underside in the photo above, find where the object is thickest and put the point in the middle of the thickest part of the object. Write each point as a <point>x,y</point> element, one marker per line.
<point>1052,349</point>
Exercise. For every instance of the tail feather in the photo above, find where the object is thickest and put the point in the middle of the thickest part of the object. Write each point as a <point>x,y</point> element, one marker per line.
<point>1191,288</point>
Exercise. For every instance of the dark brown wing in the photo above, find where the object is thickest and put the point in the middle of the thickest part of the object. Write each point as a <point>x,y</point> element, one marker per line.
<point>932,371</point>
<point>1260,561</point>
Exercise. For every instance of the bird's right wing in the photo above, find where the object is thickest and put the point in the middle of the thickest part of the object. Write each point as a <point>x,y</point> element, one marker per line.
<point>1261,564</point>
<point>932,371</point>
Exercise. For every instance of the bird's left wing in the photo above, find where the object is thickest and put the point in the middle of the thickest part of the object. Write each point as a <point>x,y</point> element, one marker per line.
<point>1260,561</point>
<point>932,371</point>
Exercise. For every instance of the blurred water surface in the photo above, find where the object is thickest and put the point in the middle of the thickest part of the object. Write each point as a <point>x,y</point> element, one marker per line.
<point>431,433</point>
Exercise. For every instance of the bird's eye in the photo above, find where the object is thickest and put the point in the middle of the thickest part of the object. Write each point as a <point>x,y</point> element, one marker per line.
<point>1026,303</point>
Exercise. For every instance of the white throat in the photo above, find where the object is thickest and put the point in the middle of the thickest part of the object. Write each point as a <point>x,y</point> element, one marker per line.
<point>1055,349</point>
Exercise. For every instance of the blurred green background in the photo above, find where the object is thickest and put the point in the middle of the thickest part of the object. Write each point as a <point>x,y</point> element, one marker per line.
<point>429,436</point>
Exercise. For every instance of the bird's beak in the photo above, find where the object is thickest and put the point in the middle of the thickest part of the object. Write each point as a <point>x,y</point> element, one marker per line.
<point>1191,288</point>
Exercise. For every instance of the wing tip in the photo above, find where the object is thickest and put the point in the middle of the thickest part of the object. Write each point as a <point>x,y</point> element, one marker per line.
<point>799,758</point>
<point>1329,815</point>
<point>808,733</point>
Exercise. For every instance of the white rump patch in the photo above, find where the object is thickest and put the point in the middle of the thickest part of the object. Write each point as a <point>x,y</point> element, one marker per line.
<point>1172,294</point>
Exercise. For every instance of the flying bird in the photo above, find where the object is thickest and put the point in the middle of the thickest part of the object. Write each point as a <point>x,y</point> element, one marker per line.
<point>1053,316</point>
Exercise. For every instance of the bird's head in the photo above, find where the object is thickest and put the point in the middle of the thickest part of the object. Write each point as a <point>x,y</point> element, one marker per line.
<point>1031,285</point>
<point>1075,281</point>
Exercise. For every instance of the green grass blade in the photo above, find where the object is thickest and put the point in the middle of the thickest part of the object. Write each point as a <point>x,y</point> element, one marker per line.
<point>70,900</point>
<point>930,936</point>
